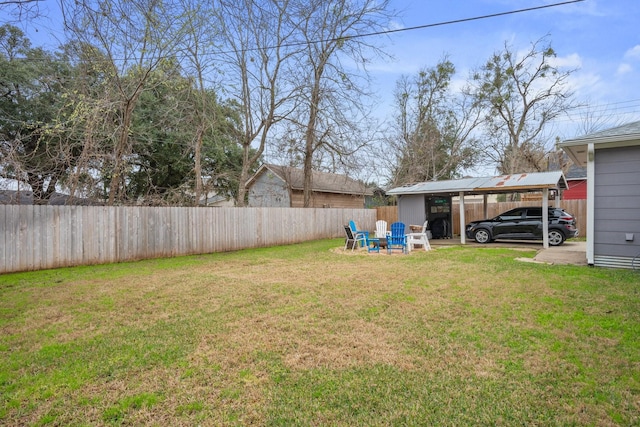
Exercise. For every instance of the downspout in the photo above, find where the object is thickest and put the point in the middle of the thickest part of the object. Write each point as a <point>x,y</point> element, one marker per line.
<point>591,185</point>
<point>463,234</point>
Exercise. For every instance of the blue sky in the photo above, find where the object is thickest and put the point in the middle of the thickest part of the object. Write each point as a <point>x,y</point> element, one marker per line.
<point>599,38</point>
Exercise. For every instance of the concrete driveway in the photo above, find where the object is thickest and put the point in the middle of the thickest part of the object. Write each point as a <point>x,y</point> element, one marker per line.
<point>570,252</point>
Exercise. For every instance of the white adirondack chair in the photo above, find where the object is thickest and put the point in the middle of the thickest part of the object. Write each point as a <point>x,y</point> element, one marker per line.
<point>381,229</point>
<point>419,238</point>
<point>382,232</point>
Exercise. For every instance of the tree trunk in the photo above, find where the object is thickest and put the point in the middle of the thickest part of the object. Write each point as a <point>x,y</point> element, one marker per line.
<point>117,179</point>
<point>197,168</point>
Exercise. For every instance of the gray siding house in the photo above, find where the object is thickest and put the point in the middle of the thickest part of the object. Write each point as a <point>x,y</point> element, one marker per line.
<point>281,186</point>
<point>612,159</point>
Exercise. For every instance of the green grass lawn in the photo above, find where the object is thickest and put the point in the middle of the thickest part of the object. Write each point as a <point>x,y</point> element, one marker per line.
<point>309,335</point>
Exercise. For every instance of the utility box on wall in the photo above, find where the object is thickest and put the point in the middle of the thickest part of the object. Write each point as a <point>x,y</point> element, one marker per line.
<point>440,216</point>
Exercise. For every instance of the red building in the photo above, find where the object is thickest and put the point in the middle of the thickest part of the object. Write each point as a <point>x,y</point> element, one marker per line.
<point>577,181</point>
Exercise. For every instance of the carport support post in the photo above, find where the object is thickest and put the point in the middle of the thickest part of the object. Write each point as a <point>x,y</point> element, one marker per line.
<point>485,207</point>
<point>463,234</point>
<point>545,218</point>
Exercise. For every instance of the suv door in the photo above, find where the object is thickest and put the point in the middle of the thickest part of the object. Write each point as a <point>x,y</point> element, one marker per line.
<point>507,224</point>
<point>531,226</point>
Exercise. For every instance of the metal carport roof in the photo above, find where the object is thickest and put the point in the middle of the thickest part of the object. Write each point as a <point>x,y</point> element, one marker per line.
<point>522,182</point>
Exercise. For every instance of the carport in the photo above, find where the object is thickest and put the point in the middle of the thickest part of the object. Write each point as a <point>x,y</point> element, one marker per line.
<point>416,201</point>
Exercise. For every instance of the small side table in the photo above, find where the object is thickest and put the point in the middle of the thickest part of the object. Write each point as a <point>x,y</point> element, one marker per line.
<point>373,245</point>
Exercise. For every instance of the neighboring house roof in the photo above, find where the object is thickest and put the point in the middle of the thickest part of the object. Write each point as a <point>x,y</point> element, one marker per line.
<point>320,181</point>
<point>576,172</point>
<point>12,197</point>
<point>621,136</point>
<point>484,185</point>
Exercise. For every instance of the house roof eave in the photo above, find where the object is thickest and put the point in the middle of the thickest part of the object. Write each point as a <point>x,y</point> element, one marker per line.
<point>620,136</point>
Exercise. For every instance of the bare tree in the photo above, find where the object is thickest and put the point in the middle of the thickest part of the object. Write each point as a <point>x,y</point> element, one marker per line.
<point>433,135</point>
<point>199,40</point>
<point>20,10</point>
<point>521,94</point>
<point>595,118</point>
<point>332,97</point>
<point>258,45</point>
<point>588,118</point>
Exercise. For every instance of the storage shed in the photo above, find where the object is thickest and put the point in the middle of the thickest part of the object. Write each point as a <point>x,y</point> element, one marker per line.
<point>612,159</point>
<point>432,200</point>
<point>282,186</point>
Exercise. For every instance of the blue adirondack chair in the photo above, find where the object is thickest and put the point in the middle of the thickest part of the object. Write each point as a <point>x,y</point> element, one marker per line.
<point>397,239</point>
<point>359,233</point>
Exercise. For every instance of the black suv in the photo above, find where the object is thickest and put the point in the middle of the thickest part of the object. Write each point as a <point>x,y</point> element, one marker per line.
<point>524,224</point>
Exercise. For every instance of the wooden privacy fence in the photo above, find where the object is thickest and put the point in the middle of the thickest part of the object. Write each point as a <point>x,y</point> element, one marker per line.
<point>41,237</point>
<point>387,213</point>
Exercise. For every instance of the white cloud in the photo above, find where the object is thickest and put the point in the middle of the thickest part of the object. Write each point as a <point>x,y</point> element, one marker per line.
<point>570,61</point>
<point>395,25</point>
<point>624,68</point>
<point>585,83</point>
<point>633,53</point>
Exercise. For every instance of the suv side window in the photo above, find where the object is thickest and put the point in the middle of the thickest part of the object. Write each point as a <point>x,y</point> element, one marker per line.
<point>512,215</point>
<point>534,213</point>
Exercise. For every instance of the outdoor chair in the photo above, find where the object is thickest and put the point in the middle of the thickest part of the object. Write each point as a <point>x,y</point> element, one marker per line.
<point>357,232</point>
<point>419,238</point>
<point>382,232</point>
<point>381,229</point>
<point>353,238</point>
<point>397,239</point>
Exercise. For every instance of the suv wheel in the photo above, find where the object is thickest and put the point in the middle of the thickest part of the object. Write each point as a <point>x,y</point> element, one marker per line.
<point>556,237</point>
<point>482,235</point>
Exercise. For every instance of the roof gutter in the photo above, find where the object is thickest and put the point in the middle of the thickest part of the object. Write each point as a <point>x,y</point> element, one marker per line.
<point>601,140</point>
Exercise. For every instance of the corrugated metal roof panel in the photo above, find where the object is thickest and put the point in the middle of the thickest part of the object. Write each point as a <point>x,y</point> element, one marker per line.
<point>534,180</point>
<point>455,185</point>
<point>496,184</point>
